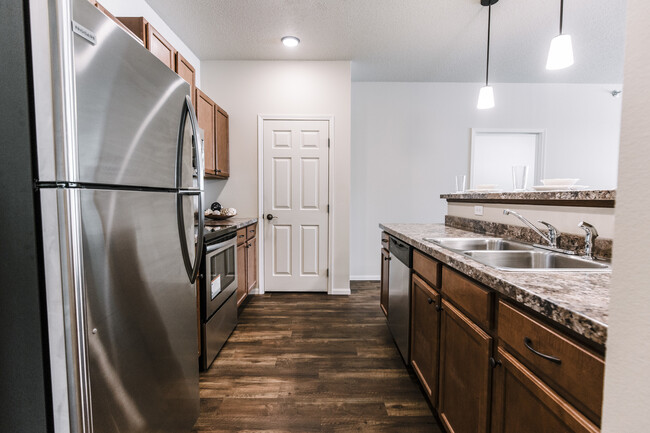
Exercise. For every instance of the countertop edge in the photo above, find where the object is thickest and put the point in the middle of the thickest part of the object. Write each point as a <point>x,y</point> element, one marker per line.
<point>590,328</point>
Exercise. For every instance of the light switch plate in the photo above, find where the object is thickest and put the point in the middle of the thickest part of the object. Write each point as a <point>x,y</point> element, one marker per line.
<point>478,210</point>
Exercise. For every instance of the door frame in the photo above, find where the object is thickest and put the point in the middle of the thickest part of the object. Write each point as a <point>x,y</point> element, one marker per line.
<point>260,192</point>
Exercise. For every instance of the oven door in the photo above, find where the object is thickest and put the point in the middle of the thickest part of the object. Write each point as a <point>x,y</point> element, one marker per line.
<point>220,275</point>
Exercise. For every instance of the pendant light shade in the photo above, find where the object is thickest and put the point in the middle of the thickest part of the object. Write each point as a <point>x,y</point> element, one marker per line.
<point>560,55</point>
<point>486,94</point>
<point>485,98</point>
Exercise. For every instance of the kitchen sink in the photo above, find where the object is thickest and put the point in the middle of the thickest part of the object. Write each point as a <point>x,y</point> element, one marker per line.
<point>478,244</point>
<point>535,260</point>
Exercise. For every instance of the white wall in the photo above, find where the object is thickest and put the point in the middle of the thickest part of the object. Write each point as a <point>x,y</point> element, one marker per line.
<point>409,140</point>
<point>140,8</point>
<point>246,89</point>
<point>627,381</point>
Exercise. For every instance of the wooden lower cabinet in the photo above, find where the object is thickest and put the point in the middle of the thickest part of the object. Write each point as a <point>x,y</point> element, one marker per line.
<point>242,291</point>
<point>246,263</point>
<point>524,403</point>
<point>251,265</point>
<point>465,350</point>
<point>383,296</point>
<point>425,335</point>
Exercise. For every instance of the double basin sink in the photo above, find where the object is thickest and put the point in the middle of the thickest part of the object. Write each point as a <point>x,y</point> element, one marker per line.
<point>514,256</point>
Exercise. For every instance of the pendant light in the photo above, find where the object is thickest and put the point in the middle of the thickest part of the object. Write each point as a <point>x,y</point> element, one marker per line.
<point>486,95</point>
<point>560,55</point>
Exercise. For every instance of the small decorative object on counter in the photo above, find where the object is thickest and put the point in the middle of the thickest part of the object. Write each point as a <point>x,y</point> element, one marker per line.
<point>215,206</point>
<point>221,214</point>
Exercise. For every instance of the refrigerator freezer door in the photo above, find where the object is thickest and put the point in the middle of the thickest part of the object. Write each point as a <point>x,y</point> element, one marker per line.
<point>141,314</point>
<point>129,109</point>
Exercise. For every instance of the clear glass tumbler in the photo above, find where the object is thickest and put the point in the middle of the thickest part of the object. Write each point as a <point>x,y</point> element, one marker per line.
<point>519,177</point>
<point>461,183</point>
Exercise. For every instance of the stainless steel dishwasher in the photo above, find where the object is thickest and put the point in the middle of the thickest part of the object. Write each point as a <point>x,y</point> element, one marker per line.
<point>399,294</point>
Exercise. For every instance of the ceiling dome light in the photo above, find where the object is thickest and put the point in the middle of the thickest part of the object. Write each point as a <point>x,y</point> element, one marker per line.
<point>560,55</point>
<point>290,41</point>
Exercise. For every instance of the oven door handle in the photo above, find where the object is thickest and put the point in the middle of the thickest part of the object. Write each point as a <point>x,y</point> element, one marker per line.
<point>223,245</point>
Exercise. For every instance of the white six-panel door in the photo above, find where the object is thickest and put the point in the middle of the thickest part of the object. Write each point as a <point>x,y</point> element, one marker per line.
<point>296,173</point>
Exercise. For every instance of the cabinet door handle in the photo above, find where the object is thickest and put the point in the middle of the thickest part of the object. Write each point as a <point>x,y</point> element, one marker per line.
<point>386,258</point>
<point>528,343</point>
<point>439,308</point>
<point>494,362</point>
<point>430,301</point>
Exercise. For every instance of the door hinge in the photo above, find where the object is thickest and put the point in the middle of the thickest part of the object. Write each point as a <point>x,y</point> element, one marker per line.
<point>327,273</point>
<point>328,208</point>
<point>328,143</point>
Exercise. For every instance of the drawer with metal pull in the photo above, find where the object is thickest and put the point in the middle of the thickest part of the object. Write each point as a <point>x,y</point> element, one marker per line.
<point>241,236</point>
<point>251,230</point>
<point>573,369</point>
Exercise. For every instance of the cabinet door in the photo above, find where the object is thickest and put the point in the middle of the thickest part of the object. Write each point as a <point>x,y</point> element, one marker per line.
<point>205,115</point>
<point>251,265</point>
<point>523,403</point>
<point>383,298</point>
<point>465,351</point>
<point>223,144</point>
<point>160,48</point>
<point>425,335</point>
<point>187,72</point>
<point>241,274</point>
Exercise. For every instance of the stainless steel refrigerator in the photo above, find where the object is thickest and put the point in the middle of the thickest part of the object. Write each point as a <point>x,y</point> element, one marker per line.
<point>120,182</point>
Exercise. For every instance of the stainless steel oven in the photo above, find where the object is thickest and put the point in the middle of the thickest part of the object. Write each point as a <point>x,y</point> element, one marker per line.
<point>218,296</point>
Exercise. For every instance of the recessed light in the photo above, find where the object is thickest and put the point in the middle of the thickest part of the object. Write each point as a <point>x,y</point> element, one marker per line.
<point>290,41</point>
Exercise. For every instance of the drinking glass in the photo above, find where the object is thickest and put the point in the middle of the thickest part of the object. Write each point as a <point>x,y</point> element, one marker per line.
<point>461,183</point>
<point>519,177</point>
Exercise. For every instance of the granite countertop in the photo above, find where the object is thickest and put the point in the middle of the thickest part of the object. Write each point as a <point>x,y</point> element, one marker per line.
<point>576,300</point>
<point>237,221</point>
<point>598,198</point>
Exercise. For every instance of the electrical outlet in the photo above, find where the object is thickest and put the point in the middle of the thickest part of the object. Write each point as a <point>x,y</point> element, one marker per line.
<point>478,210</point>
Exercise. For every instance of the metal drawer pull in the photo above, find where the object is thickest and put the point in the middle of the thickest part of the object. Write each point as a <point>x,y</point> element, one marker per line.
<point>386,258</point>
<point>528,342</point>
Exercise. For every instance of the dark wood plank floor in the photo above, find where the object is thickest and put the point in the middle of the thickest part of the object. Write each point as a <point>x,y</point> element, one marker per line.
<point>312,363</point>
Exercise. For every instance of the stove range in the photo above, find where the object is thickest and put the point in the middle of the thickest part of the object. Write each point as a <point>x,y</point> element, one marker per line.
<point>213,232</point>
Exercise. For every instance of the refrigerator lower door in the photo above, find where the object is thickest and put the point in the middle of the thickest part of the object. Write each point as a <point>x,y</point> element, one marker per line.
<point>129,109</point>
<point>140,313</point>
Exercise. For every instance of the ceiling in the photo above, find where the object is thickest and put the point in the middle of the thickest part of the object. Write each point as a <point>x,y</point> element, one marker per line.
<point>409,40</point>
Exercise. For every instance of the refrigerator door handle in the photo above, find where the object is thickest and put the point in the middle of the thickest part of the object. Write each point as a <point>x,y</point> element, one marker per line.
<point>191,268</point>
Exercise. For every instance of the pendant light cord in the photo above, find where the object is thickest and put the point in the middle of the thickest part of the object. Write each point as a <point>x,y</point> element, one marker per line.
<point>561,14</point>
<point>487,66</point>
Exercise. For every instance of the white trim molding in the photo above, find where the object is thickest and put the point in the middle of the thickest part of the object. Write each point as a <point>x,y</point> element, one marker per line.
<point>260,193</point>
<point>339,292</point>
<point>365,277</point>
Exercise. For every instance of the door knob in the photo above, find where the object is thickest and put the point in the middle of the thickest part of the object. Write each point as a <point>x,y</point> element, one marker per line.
<point>270,217</point>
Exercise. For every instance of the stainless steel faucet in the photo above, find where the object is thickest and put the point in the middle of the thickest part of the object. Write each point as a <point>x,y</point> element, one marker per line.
<point>590,238</point>
<point>553,233</point>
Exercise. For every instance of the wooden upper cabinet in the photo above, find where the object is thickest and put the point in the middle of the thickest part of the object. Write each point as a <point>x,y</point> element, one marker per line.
<point>465,371</point>
<point>187,72</point>
<point>524,403</point>
<point>425,335</point>
<point>115,19</point>
<point>160,48</point>
<point>223,144</point>
<point>152,40</point>
<point>206,116</point>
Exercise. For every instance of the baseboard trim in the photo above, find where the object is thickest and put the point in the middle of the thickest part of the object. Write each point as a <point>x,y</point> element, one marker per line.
<point>255,291</point>
<point>342,291</point>
<point>365,277</point>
